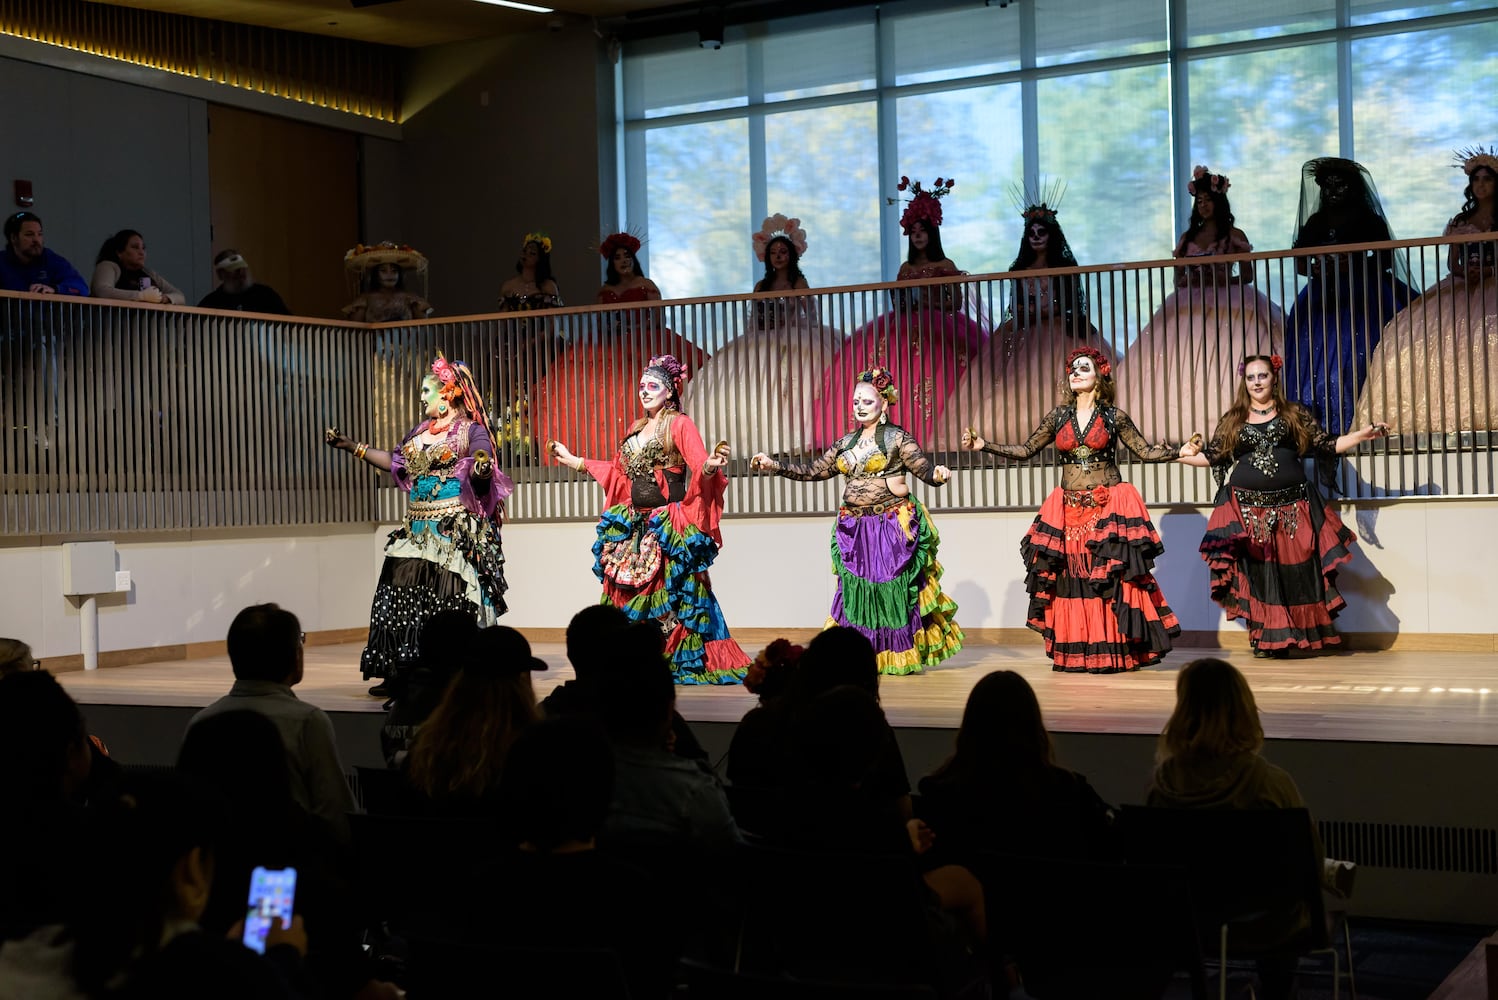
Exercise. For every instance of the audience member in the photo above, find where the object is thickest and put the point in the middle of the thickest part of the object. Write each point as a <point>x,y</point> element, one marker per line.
<point>28,266</point>
<point>238,290</point>
<point>1001,789</point>
<point>16,657</point>
<point>120,272</point>
<point>265,651</point>
<point>459,753</point>
<point>440,649</point>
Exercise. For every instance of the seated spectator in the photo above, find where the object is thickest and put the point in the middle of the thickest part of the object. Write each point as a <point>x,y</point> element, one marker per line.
<point>592,638</point>
<point>1001,789</point>
<point>265,651</point>
<point>238,290</point>
<point>120,272</point>
<point>444,640</point>
<point>16,657</point>
<point>459,753</point>
<point>28,266</point>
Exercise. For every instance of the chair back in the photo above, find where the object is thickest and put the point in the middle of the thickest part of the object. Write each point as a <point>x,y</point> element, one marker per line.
<point>386,792</point>
<point>406,864</point>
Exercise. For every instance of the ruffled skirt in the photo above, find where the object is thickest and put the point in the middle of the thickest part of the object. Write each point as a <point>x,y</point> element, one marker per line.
<point>676,595</point>
<point>889,586</point>
<point>1089,559</point>
<point>1273,559</point>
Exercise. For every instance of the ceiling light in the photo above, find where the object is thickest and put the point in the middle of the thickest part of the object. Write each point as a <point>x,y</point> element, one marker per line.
<point>520,6</point>
<point>710,27</point>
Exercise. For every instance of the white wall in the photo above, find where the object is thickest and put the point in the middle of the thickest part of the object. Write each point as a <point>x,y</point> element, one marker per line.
<point>773,572</point>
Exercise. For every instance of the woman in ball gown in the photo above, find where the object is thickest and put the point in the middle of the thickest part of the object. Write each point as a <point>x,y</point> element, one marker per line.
<point>1273,544</point>
<point>584,396</point>
<point>1339,315</point>
<point>925,341</point>
<point>1045,320</point>
<point>447,554</point>
<point>391,280</point>
<point>765,381</point>
<point>659,532</point>
<point>1090,552</point>
<point>884,543</point>
<point>1184,360</point>
<point>1435,368</point>
<point>529,341</point>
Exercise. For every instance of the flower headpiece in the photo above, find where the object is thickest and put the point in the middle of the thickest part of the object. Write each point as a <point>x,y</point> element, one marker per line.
<point>361,258</point>
<point>775,226</point>
<point>1203,181</point>
<point>455,381</point>
<point>770,672</point>
<point>1039,204</point>
<point>610,243</point>
<point>1275,363</point>
<point>540,239</point>
<point>924,205</point>
<point>1472,157</point>
<point>1099,360</point>
<point>673,372</point>
<point>883,383</point>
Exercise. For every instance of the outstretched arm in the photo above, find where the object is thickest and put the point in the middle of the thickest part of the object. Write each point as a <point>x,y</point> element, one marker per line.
<point>1043,435</point>
<point>824,467</point>
<point>374,456</point>
<point>1129,434</point>
<point>918,463</point>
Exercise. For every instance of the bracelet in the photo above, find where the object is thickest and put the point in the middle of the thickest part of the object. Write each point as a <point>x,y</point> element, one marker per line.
<point>359,451</point>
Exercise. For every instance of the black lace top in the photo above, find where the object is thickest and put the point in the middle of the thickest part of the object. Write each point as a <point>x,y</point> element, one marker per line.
<point>869,461</point>
<point>1087,454</point>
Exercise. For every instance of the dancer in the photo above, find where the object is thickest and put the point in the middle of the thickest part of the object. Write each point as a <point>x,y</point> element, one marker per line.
<point>771,374</point>
<point>1185,357</point>
<point>583,398</point>
<point>1430,372</point>
<point>1046,319</point>
<point>1338,317</point>
<point>925,341</point>
<point>659,533</point>
<point>1091,549</point>
<point>382,273</point>
<point>884,544</point>
<point>1273,545</point>
<point>447,554</point>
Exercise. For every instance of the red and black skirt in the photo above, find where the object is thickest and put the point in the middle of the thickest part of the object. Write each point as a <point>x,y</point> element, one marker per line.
<point>1273,557</point>
<point>1090,557</point>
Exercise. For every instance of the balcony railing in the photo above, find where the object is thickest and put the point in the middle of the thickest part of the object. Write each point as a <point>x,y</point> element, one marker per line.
<point>119,418</point>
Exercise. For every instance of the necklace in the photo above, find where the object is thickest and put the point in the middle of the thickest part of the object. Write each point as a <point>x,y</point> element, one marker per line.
<point>1264,412</point>
<point>433,427</point>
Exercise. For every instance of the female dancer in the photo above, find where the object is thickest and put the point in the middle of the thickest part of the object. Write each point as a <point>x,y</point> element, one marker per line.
<point>1091,548</point>
<point>382,272</point>
<point>1338,317</point>
<point>771,374</point>
<point>1045,320</point>
<point>1430,372</point>
<point>447,553</point>
<point>1273,545</point>
<point>925,341</point>
<point>659,533</point>
<point>1212,318</point>
<point>884,544</point>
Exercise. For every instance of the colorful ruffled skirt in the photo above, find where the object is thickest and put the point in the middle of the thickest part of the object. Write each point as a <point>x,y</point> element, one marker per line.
<point>653,565</point>
<point>889,585</point>
<point>1089,559</point>
<point>1273,557</point>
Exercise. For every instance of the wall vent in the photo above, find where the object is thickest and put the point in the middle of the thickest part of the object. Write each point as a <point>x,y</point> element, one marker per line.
<point>1456,849</point>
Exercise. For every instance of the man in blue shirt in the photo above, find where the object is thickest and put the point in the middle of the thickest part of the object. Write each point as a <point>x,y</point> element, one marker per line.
<point>28,266</point>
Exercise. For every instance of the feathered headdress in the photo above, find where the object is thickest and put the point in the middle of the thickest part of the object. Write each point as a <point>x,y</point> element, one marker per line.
<point>778,225</point>
<point>924,204</point>
<point>1472,157</point>
<point>1203,181</point>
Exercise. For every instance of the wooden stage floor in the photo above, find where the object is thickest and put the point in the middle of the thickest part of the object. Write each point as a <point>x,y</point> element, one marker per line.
<point>1369,696</point>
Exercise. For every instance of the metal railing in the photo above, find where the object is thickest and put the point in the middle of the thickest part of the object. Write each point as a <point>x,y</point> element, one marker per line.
<point>119,418</point>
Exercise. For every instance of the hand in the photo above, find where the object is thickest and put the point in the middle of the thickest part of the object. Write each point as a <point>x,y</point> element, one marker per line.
<point>921,835</point>
<point>763,463</point>
<point>1192,447</point>
<point>971,441</point>
<point>559,451</point>
<point>152,294</point>
<point>717,460</point>
<point>941,473</point>
<point>41,289</point>
<point>295,935</point>
<point>335,438</point>
<point>1375,430</point>
<point>482,465</point>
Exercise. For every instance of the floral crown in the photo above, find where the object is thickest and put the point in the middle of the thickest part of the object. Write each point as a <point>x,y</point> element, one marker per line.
<point>924,204</point>
<point>770,670</point>
<point>1204,181</point>
<point>455,379</point>
<point>778,226</point>
<point>1039,204</point>
<point>883,383</point>
<point>614,241</point>
<point>540,239</point>
<point>673,371</point>
<point>1100,362</point>
<point>1275,363</point>
<point>1472,157</point>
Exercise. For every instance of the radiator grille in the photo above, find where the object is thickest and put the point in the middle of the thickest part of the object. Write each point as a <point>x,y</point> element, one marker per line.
<point>1456,849</point>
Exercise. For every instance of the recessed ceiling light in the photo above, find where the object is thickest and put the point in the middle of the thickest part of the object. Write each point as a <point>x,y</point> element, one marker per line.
<point>519,6</point>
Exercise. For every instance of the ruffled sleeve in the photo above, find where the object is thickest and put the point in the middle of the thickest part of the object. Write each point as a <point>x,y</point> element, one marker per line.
<point>398,470</point>
<point>703,503</point>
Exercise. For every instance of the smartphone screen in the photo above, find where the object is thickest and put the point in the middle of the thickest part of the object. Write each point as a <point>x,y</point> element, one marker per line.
<point>272,893</point>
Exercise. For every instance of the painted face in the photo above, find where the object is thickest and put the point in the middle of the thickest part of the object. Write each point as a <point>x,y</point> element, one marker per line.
<point>655,392</point>
<point>390,275</point>
<point>868,405</point>
<point>779,255</point>
<point>1082,376</point>
<point>431,395</point>
<point>1038,236</point>
<point>1205,206</point>
<point>1334,189</point>
<point>27,243</point>
<point>133,256</point>
<point>1483,183</point>
<point>624,262</point>
<point>1259,377</point>
<point>530,253</point>
<point>920,236</point>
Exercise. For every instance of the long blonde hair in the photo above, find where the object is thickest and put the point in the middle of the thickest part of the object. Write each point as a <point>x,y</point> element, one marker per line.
<point>15,656</point>
<point>1215,714</point>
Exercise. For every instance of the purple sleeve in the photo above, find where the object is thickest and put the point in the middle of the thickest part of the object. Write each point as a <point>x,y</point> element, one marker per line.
<point>398,470</point>
<point>495,490</point>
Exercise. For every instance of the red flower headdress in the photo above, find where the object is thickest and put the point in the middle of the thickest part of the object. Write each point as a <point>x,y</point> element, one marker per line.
<point>924,205</point>
<point>1203,180</point>
<point>1099,361</point>
<point>455,381</point>
<point>883,383</point>
<point>770,672</point>
<point>778,225</point>
<point>614,241</point>
<point>1275,364</point>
